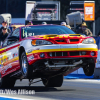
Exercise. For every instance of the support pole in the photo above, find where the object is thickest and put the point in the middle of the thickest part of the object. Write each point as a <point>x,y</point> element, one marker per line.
<point>94,28</point>
<point>74,25</point>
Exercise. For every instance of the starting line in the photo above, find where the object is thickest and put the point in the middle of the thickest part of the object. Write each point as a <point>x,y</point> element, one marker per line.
<point>12,98</point>
<point>1,98</point>
<point>4,97</point>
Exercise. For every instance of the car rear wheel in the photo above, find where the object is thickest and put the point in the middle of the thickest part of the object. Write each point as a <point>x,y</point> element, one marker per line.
<point>7,82</point>
<point>53,82</point>
<point>89,69</point>
<point>25,67</point>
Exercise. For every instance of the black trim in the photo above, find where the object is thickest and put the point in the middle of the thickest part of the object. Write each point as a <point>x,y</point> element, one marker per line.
<point>38,6</point>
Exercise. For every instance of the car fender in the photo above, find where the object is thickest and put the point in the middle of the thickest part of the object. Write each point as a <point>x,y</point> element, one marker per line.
<point>26,44</point>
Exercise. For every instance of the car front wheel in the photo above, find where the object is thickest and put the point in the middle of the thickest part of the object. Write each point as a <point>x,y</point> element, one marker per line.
<point>25,67</point>
<point>89,69</point>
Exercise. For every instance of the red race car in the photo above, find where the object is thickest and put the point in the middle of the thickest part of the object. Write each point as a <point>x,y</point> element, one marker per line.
<point>45,51</point>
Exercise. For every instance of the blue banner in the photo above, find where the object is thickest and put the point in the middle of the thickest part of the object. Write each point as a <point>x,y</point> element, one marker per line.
<point>97,41</point>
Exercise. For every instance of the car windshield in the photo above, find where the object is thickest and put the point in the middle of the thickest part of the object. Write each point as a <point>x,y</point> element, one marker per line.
<point>44,30</point>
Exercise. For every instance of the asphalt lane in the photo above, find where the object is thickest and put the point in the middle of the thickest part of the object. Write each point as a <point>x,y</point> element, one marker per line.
<point>72,89</point>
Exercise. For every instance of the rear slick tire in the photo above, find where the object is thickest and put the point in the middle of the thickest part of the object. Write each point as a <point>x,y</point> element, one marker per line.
<point>53,82</point>
<point>7,82</point>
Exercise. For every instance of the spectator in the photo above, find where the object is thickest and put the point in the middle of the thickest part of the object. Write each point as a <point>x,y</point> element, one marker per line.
<point>64,24</point>
<point>4,34</point>
<point>4,24</point>
<point>13,28</point>
<point>84,30</point>
<point>30,23</point>
<point>44,23</point>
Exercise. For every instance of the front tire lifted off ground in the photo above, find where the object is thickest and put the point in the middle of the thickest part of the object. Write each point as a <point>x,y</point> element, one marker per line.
<point>89,69</point>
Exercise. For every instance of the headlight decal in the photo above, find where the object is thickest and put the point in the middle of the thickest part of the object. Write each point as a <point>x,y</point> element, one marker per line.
<point>89,41</point>
<point>33,42</point>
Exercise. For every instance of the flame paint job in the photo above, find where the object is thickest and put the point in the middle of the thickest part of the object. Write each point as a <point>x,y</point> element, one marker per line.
<point>9,55</point>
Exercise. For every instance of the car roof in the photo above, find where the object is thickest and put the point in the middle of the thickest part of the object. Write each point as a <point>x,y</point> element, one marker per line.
<point>42,25</point>
<point>17,26</point>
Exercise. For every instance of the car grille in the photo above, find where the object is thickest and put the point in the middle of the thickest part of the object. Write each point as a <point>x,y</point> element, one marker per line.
<point>76,53</point>
<point>67,41</point>
<point>60,40</point>
<point>55,54</point>
<point>74,40</point>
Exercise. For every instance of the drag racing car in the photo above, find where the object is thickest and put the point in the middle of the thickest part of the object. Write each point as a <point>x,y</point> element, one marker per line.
<point>45,51</point>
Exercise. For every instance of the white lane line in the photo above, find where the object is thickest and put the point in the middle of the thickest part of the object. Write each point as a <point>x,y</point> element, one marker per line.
<point>83,80</point>
<point>26,98</point>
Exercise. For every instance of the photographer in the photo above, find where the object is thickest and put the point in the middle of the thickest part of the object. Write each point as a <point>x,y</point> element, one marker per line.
<point>84,30</point>
<point>4,24</point>
<point>3,34</point>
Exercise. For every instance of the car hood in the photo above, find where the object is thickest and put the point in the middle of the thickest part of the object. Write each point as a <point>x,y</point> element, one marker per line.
<point>61,39</point>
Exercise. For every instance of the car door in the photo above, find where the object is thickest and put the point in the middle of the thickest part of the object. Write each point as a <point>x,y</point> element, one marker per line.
<point>12,59</point>
<point>2,58</point>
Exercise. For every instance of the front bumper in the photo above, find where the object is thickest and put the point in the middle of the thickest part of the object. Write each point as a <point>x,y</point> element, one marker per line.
<point>66,51</point>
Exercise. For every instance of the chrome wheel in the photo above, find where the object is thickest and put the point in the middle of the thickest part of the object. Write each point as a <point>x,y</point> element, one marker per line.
<point>24,65</point>
<point>26,69</point>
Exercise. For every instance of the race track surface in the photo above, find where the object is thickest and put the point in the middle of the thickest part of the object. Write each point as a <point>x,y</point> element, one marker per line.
<point>72,89</point>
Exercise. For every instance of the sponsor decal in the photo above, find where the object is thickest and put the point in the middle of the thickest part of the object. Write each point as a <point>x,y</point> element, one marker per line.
<point>17,47</point>
<point>14,55</point>
<point>16,73</point>
<point>5,68</point>
<point>5,60</point>
<point>37,49</point>
<point>29,51</point>
<point>1,61</point>
<point>30,57</point>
